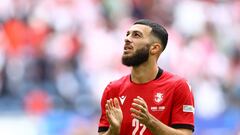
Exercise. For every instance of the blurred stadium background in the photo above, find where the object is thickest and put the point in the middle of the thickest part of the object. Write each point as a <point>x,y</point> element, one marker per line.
<point>57,56</point>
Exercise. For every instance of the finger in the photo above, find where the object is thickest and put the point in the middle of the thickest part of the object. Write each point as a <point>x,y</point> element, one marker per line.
<point>136,112</point>
<point>139,107</point>
<point>106,106</point>
<point>109,105</point>
<point>107,109</point>
<point>116,103</point>
<point>108,115</point>
<point>140,98</point>
<point>108,112</point>
<point>143,101</point>
<point>140,102</point>
<point>136,116</point>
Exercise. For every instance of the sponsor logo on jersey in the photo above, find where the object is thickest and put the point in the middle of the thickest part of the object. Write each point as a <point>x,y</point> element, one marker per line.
<point>157,108</point>
<point>158,97</point>
<point>188,108</point>
<point>122,99</point>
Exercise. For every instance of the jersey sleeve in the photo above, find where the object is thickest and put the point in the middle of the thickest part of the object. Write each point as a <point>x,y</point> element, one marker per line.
<point>183,106</point>
<point>103,124</point>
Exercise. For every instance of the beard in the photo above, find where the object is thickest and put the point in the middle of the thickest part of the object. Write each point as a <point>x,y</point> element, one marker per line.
<point>139,57</point>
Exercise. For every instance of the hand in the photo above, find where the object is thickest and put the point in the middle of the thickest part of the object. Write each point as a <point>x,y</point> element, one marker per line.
<point>139,110</point>
<point>114,114</point>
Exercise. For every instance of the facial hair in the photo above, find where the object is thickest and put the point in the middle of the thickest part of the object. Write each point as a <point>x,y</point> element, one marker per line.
<point>140,56</point>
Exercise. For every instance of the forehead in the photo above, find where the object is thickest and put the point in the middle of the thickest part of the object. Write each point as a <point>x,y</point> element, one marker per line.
<point>141,28</point>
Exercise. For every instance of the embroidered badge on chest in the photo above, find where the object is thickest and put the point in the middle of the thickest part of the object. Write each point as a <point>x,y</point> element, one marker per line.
<point>158,97</point>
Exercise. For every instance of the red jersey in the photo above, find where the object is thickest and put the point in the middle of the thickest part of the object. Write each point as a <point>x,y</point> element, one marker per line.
<point>169,99</point>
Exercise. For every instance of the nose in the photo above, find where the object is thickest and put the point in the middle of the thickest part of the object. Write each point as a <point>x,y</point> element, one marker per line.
<point>127,40</point>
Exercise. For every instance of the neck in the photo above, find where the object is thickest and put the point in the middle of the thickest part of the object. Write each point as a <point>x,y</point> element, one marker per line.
<point>144,73</point>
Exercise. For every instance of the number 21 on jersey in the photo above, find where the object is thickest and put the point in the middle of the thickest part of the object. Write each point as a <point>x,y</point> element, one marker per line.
<point>138,127</point>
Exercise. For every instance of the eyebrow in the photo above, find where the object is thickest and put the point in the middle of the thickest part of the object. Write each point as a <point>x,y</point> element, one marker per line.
<point>135,31</point>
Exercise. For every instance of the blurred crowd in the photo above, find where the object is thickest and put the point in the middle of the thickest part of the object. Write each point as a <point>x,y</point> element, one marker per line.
<point>57,56</point>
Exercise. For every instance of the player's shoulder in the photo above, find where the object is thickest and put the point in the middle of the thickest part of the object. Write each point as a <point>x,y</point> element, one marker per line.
<point>116,84</point>
<point>173,77</point>
<point>177,81</point>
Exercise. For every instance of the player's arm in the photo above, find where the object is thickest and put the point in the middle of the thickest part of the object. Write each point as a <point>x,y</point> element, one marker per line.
<point>139,111</point>
<point>158,128</point>
<point>114,116</point>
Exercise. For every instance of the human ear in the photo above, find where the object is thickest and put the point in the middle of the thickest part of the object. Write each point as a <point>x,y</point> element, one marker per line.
<point>155,48</point>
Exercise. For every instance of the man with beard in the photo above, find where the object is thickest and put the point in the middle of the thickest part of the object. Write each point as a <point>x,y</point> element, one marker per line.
<point>149,100</point>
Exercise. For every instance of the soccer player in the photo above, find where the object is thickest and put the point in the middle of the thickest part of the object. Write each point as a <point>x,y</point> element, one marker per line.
<point>149,101</point>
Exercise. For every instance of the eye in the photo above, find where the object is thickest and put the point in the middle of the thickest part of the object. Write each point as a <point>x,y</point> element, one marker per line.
<point>136,35</point>
<point>127,34</point>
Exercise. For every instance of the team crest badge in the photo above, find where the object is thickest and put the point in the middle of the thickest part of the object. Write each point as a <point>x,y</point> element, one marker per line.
<point>158,97</point>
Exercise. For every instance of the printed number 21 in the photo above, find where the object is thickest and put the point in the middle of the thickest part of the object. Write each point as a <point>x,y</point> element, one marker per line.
<point>136,124</point>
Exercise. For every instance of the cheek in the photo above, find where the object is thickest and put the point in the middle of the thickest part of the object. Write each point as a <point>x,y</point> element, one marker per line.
<point>139,45</point>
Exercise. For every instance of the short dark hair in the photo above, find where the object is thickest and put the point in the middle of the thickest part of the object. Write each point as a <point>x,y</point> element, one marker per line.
<point>157,30</point>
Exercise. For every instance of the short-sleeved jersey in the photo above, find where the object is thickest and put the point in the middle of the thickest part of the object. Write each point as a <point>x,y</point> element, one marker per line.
<point>169,99</point>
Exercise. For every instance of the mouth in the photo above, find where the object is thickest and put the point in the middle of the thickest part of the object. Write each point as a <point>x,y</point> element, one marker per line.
<point>127,48</point>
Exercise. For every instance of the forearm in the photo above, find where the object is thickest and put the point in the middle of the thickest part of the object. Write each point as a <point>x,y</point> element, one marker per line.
<point>158,128</point>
